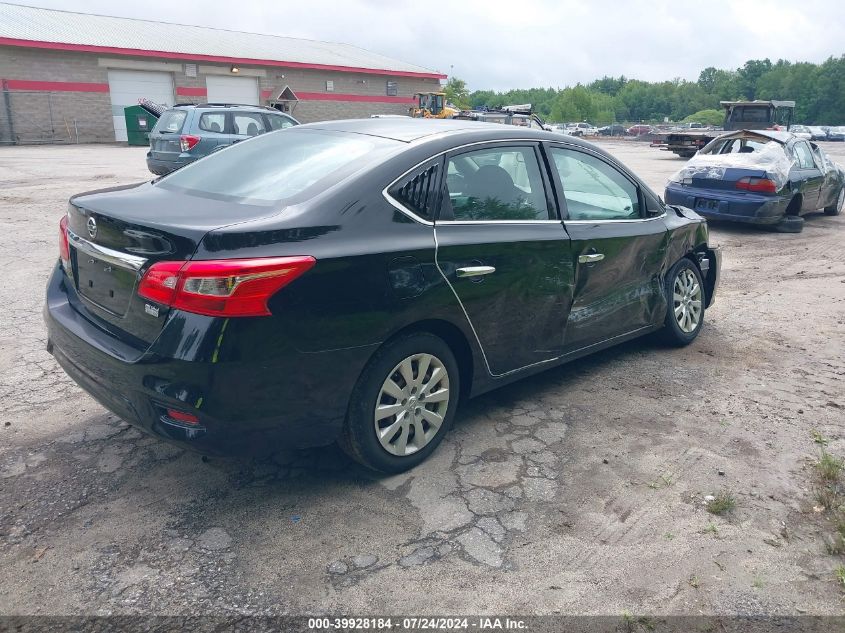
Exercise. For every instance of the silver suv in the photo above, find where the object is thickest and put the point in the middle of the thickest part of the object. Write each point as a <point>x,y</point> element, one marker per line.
<point>185,133</point>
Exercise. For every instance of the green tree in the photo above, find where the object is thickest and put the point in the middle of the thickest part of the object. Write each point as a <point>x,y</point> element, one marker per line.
<point>708,117</point>
<point>457,92</point>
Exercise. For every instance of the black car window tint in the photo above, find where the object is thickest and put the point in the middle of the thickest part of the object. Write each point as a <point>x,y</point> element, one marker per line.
<point>497,184</point>
<point>213,122</point>
<point>593,189</point>
<point>418,192</point>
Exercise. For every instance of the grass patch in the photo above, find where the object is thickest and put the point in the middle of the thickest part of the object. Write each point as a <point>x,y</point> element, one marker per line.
<point>839,573</point>
<point>711,529</point>
<point>758,582</point>
<point>722,503</point>
<point>829,467</point>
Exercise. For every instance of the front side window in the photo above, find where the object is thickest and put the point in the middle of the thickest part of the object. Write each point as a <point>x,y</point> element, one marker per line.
<point>593,189</point>
<point>248,124</point>
<point>502,183</point>
<point>213,122</point>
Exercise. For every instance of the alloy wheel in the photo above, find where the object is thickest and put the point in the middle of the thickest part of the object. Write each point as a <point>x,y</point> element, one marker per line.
<point>687,300</point>
<point>412,404</point>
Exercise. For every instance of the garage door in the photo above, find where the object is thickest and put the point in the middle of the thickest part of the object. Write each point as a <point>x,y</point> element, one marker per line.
<point>232,89</point>
<point>127,86</point>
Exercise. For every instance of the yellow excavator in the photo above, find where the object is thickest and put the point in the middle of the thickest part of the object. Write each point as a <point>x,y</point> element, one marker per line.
<point>432,105</point>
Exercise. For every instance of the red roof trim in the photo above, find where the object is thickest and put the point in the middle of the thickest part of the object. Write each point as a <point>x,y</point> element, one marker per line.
<point>337,96</point>
<point>184,91</point>
<point>135,52</point>
<point>54,86</point>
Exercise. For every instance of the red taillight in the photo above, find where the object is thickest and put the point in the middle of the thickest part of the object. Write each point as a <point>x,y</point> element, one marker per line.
<point>187,141</point>
<point>182,416</point>
<point>223,287</point>
<point>64,247</point>
<point>759,185</point>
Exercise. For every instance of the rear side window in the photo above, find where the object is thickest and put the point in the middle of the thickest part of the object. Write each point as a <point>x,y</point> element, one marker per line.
<point>280,122</point>
<point>418,192</point>
<point>804,156</point>
<point>213,122</point>
<point>270,169</point>
<point>502,183</point>
<point>248,124</point>
<point>171,121</point>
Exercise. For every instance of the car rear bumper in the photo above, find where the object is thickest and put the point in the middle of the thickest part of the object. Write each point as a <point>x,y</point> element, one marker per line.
<point>163,167</point>
<point>243,406</point>
<point>735,207</point>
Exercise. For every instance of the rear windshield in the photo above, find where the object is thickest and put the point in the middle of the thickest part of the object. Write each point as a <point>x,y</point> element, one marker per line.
<point>278,166</point>
<point>171,121</point>
<point>752,114</point>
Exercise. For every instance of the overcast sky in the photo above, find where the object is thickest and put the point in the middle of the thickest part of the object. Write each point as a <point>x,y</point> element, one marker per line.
<point>525,43</point>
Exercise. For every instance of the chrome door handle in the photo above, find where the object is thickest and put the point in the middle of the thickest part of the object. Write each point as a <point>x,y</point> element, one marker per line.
<point>475,271</point>
<point>591,258</point>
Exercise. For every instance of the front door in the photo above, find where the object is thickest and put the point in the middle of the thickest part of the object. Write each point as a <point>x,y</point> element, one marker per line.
<point>505,254</point>
<point>617,250</point>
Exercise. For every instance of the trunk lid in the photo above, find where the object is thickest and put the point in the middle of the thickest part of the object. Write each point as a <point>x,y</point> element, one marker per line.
<point>164,138</point>
<point>115,235</point>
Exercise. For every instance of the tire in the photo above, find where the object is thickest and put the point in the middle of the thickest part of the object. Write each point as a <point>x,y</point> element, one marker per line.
<point>367,439</point>
<point>836,207</point>
<point>684,289</point>
<point>790,224</point>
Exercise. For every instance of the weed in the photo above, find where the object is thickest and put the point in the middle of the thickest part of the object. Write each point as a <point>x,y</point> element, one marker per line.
<point>839,572</point>
<point>722,503</point>
<point>668,536</point>
<point>694,582</point>
<point>758,582</point>
<point>711,529</point>
<point>827,497</point>
<point>818,438</point>
<point>835,544</point>
<point>828,467</point>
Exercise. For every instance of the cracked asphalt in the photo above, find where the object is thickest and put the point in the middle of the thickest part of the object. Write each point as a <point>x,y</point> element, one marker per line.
<point>577,491</point>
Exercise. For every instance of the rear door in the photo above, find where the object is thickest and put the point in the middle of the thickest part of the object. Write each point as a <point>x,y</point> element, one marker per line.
<point>617,250</point>
<point>164,138</point>
<point>211,128</point>
<point>504,252</point>
<point>807,176</point>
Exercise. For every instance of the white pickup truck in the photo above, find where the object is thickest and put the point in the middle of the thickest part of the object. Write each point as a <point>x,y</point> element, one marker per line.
<point>582,129</point>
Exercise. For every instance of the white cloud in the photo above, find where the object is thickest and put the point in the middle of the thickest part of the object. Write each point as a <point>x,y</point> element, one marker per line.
<point>504,44</point>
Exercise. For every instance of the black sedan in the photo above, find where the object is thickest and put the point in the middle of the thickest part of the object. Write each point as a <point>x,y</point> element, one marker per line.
<point>353,281</point>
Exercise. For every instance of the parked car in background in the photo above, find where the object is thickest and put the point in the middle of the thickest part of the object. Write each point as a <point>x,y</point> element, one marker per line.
<point>801,131</point>
<point>290,291</point>
<point>639,129</point>
<point>836,133</point>
<point>612,130</point>
<point>759,177</point>
<point>817,133</point>
<point>186,133</point>
<point>582,129</point>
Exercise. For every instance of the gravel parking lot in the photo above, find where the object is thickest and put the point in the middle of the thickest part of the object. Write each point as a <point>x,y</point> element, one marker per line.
<point>577,491</point>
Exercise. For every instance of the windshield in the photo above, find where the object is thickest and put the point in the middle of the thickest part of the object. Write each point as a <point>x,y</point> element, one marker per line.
<point>278,166</point>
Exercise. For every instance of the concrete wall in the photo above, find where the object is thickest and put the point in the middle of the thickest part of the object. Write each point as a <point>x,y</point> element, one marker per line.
<point>74,85</point>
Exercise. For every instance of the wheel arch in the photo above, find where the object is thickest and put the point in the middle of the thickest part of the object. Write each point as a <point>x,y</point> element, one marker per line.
<point>457,341</point>
<point>795,204</point>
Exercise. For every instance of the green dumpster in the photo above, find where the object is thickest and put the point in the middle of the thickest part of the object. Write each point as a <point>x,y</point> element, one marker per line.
<point>139,122</point>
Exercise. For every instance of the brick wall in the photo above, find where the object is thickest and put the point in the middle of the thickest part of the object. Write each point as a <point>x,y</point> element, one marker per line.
<point>89,112</point>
